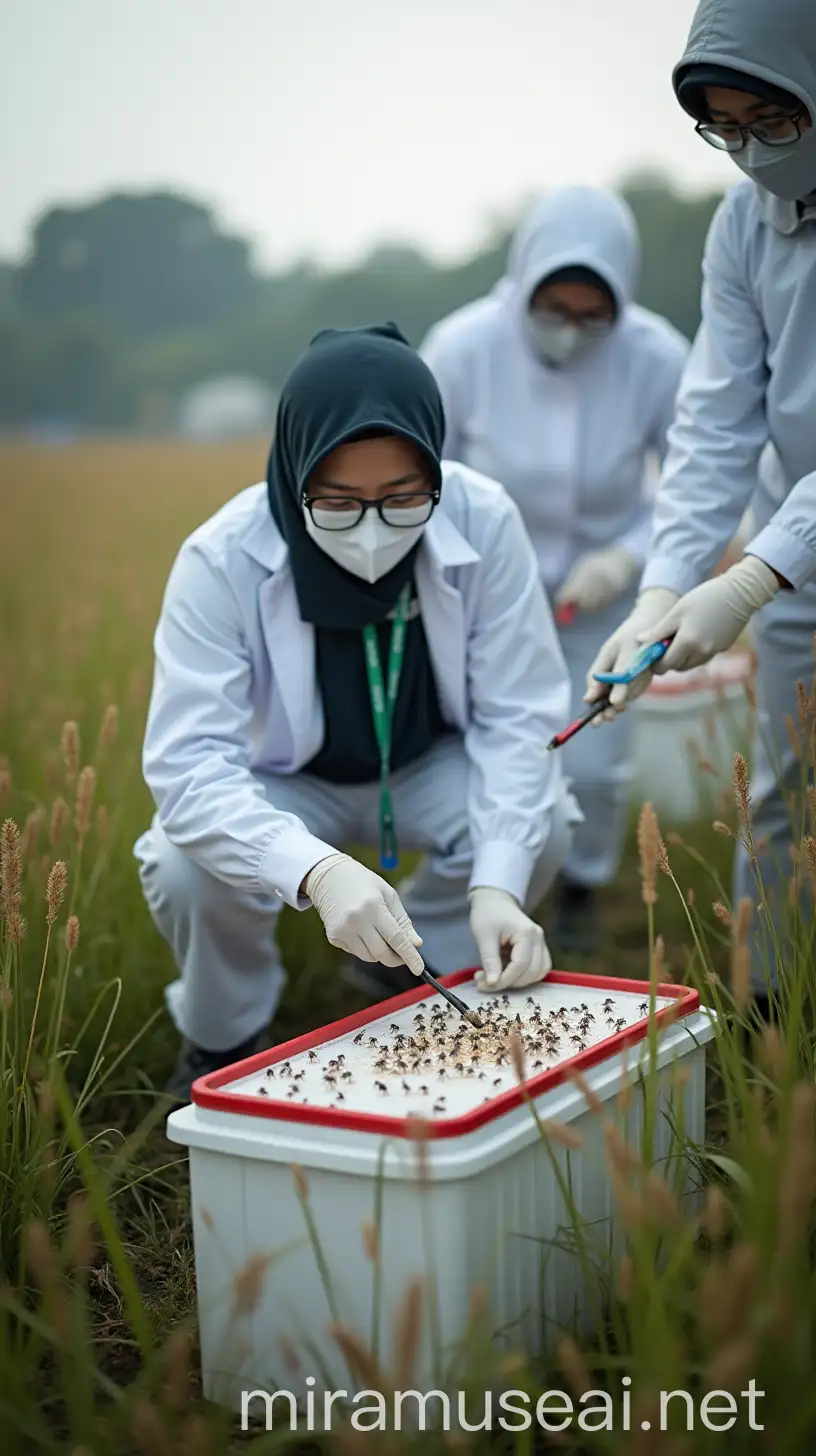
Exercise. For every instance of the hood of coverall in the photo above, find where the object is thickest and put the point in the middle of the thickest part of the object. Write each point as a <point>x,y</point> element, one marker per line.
<point>774,41</point>
<point>575,226</point>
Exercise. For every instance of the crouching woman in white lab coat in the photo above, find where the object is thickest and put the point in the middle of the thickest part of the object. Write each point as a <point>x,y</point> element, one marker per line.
<point>358,650</point>
<point>561,387</point>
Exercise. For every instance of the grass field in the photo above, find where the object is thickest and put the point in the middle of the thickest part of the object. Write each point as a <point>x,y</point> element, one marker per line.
<point>89,533</point>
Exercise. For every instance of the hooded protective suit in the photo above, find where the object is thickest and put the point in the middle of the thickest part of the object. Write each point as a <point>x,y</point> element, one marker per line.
<point>751,388</point>
<point>571,444</point>
<point>568,443</point>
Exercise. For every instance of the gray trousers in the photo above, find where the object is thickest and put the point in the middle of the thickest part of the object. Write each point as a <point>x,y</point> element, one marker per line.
<point>784,639</point>
<point>223,939</point>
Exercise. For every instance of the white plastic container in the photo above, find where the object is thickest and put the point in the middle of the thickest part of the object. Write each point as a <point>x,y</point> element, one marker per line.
<point>474,1203</point>
<point>688,726</point>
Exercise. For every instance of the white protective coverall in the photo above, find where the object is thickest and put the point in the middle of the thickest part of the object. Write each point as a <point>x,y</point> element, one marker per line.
<point>572,445</point>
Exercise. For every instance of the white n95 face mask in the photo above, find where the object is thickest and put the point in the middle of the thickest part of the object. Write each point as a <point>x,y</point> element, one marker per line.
<point>788,172</point>
<point>370,549</point>
<point>557,342</point>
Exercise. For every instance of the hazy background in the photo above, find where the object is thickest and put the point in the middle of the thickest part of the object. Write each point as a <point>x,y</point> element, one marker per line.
<point>279,166</point>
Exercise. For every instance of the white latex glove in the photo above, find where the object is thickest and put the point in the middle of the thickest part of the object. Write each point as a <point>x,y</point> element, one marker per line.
<point>498,922</point>
<point>710,618</point>
<point>363,914</point>
<point>619,649</point>
<point>597,579</point>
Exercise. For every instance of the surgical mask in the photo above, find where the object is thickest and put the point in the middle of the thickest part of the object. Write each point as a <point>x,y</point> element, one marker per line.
<point>556,341</point>
<point>788,172</point>
<point>370,549</point>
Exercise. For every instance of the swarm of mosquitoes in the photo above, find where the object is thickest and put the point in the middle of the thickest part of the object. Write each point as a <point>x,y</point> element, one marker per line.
<point>443,1047</point>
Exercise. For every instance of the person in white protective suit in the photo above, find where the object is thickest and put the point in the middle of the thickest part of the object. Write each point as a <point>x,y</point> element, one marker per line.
<point>561,387</point>
<point>357,650</point>
<point>748,78</point>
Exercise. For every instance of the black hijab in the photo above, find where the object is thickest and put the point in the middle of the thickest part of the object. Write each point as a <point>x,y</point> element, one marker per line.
<point>349,383</point>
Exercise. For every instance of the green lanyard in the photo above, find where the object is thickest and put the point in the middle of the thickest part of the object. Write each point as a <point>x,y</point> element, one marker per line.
<point>383,703</point>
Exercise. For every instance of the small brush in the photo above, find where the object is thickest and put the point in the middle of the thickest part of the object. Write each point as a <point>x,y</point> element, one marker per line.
<point>455,1001</point>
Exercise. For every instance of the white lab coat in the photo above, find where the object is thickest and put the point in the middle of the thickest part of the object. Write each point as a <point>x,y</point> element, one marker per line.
<point>236,696</point>
<point>573,446</point>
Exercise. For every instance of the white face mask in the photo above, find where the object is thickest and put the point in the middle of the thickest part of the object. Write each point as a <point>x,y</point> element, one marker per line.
<point>788,172</point>
<point>556,342</point>
<point>371,548</point>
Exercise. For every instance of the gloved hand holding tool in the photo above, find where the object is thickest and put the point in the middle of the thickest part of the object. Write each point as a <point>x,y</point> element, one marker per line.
<point>710,618</point>
<point>618,652</point>
<point>512,948</point>
<point>640,666</point>
<point>362,914</point>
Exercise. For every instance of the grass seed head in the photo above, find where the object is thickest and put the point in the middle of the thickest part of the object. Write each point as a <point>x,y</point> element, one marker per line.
<point>797,1187</point>
<point>55,890</point>
<point>247,1286</point>
<point>72,934</point>
<point>565,1137</point>
<point>371,1241</point>
<point>359,1358</point>
<point>177,1362</point>
<point>650,847</point>
<point>31,833</point>
<point>109,730</point>
<point>793,736</point>
<point>407,1334</point>
<point>727,1292</point>
<point>626,1279</point>
<point>60,814</point>
<point>715,1220</point>
<point>742,790</point>
<point>86,788</point>
<point>732,1365</point>
<point>571,1361</point>
<point>11,868</point>
<point>301,1182</point>
<point>516,1048</point>
<point>69,747</point>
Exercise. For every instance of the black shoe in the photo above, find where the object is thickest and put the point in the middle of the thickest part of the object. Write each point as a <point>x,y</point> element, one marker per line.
<point>194,1062</point>
<point>576,931</point>
<point>379,982</point>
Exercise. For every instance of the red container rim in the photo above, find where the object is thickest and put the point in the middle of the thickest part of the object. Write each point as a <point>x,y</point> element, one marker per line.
<point>211,1091</point>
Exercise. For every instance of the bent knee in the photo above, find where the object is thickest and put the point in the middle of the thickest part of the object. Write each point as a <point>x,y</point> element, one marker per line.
<point>169,875</point>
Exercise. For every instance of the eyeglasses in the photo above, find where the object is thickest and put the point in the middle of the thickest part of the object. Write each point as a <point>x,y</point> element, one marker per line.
<point>342,512</point>
<point>773,131</point>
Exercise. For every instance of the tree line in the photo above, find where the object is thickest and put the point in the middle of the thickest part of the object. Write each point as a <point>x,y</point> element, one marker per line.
<point>120,305</point>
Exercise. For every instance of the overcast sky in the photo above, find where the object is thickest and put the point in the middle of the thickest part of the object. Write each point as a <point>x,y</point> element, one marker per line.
<point>321,127</point>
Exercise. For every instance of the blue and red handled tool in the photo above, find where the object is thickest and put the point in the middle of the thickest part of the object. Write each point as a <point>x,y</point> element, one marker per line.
<point>641,662</point>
